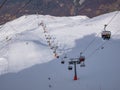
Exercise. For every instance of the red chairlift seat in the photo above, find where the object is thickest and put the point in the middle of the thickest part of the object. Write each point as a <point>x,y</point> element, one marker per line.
<point>106,35</point>
<point>82,59</point>
<point>65,56</point>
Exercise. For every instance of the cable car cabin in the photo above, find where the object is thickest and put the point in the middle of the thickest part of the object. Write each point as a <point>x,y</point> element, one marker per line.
<point>106,35</point>
<point>82,59</point>
<point>69,67</point>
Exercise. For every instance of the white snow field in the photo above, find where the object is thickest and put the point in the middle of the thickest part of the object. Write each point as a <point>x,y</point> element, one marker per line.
<point>28,63</point>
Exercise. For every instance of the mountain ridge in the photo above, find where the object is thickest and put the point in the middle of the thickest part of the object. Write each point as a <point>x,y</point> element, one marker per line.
<point>89,8</point>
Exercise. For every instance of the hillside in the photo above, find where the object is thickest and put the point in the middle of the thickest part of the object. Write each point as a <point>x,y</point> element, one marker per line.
<point>28,63</point>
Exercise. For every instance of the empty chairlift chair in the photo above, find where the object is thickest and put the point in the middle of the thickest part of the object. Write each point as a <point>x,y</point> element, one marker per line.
<point>82,60</point>
<point>62,62</point>
<point>69,67</point>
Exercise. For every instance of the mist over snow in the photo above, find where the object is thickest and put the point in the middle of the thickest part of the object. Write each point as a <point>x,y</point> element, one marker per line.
<point>28,63</point>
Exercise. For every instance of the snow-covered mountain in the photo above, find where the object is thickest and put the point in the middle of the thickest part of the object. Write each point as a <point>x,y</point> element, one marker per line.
<point>27,62</point>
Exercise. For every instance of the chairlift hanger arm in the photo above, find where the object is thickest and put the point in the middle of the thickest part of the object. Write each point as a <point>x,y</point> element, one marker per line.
<point>105,27</point>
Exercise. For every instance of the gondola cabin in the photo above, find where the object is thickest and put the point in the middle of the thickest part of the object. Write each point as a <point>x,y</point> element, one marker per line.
<point>106,35</point>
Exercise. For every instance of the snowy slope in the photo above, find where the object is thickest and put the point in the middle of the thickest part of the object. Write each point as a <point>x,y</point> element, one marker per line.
<point>28,63</point>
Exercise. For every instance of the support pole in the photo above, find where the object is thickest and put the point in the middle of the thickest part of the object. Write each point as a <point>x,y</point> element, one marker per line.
<point>75,76</point>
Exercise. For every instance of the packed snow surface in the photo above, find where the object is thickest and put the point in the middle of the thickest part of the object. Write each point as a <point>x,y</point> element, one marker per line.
<point>28,63</point>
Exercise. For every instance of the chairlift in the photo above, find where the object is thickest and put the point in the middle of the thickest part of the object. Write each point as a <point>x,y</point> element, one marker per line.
<point>48,38</point>
<point>48,41</point>
<point>71,62</point>
<point>82,59</point>
<point>54,51</point>
<point>55,54</point>
<point>45,31</point>
<point>52,47</point>
<point>46,35</point>
<point>56,47</point>
<point>62,62</point>
<point>49,44</point>
<point>82,65</point>
<point>65,56</point>
<point>69,67</point>
<point>78,62</point>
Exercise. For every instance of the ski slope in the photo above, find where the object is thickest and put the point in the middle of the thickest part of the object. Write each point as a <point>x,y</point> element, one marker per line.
<point>28,63</point>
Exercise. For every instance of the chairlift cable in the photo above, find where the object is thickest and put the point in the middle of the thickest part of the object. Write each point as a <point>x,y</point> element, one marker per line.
<point>27,3</point>
<point>98,34</point>
<point>15,12</point>
<point>3,3</point>
<point>90,43</point>
<point>99,47</point>
<point>117,12</point>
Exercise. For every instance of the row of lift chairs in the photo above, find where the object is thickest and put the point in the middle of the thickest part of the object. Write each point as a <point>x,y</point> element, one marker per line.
<point>106,35</point>
<point>73,61</point>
